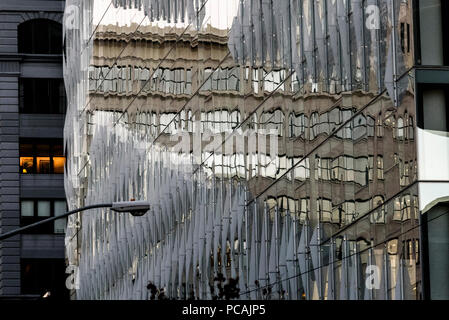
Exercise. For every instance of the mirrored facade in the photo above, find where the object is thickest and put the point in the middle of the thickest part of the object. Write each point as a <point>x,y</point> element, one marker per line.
<point>277,142</point>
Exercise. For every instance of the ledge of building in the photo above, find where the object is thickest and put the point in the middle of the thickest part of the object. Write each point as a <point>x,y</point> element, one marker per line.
<point>41,125</point>
<point>43,246</point>
<point>20,297</point>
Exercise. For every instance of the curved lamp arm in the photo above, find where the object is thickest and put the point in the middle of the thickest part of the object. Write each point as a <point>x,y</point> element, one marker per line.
<point>136,208</point>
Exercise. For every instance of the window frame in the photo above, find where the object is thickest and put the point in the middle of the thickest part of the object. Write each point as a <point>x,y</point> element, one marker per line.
<point>44,229</point>
<point>37,106</point>
<point>417,31</point>
<point>52,143</point>
<point>30,33</point>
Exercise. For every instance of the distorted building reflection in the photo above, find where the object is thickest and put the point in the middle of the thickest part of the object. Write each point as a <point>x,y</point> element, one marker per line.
<point>167,92</point>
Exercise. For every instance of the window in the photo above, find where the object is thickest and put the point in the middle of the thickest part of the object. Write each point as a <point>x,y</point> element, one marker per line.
<point>435,230</point>
<point>434,31</point>
<point>33,210</point>
<point>400,129</point>
<point>433,103</point>
<point>380,167</point>
<point>411,128</point>
<point>292,125</point>
<point>302,170</point>
<point>403,37</point>
<point>255,81</point>
<point>378,215</point>
<point>408,38</point>
<point>273,80</point>
<point>41,157</point>
<point>325,209</point>
<point>40,36</point>
<point>59,208</point>
<point>314,125</point>
<point>295,82</point>
<point>323,126</point>
<point>370,121</point>
<point>360,127</point>
<point>334,118</point>
<point>41,275</point>
<point>27,208</point>
<point>323,168</point>
<point>379,127</point>
<point>42,96</point>
<point>222,79</point>
<point>274,122</point>
<point>300,126</point>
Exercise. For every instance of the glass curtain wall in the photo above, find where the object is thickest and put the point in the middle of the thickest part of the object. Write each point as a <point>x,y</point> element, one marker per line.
<point>275,141</point>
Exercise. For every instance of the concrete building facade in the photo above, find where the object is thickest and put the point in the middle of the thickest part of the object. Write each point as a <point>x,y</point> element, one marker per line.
<point>32,111</point>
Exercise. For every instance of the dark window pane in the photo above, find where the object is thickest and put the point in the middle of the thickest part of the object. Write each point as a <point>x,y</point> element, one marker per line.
<point>22,96</point>
<point>43,150</point>
<point>58,150</point>
<point>26,149</point>
<point>60,208</point>
<point>61,103</point>
<point>408,37</point>
<point>26,92</point>
<point>40,36</point>
<point>42,96</point>
<point>432,108</point>
<point>39,276</point>
<point>55,38</point>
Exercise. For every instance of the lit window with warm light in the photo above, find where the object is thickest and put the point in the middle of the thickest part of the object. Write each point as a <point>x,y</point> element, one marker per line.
<point>43,157</point>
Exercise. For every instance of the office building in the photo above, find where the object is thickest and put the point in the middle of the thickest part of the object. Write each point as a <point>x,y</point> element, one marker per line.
<point>32,108</point>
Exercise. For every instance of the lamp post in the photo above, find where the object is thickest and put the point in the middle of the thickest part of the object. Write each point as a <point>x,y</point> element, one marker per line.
<point>135,208</point>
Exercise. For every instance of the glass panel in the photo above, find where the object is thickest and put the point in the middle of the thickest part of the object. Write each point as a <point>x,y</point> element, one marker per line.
<point>40,36</point>
<point>43,165</point>
<point>26,149</point>
<point>434,109</point>
<point>43,150</point>
<point>58,164</point>
<point>60,208</point>
<point>43,208</point>
<point>26,164</point>
<point>46,96</point>
<point>431,32</point>
<point>27,208</point>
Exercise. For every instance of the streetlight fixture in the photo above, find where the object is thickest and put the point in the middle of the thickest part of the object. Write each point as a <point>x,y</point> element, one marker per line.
<point>135,208</point>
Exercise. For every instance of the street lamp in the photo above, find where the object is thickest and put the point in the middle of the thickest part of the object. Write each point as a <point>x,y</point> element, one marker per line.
<point>136,208</point>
